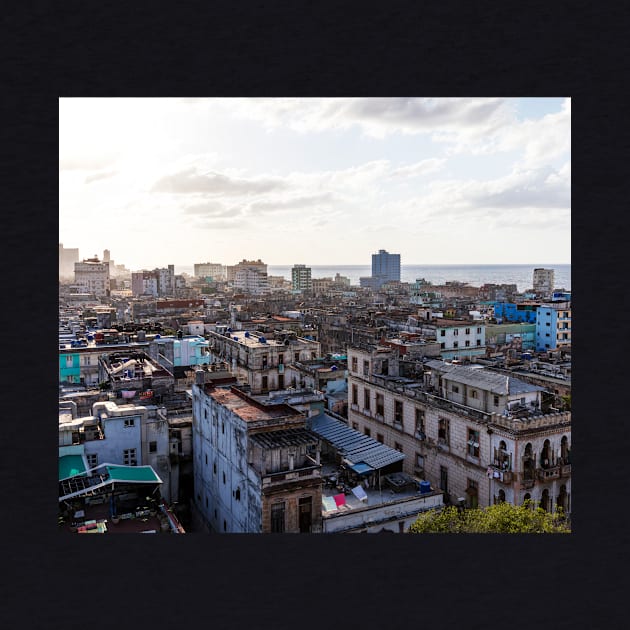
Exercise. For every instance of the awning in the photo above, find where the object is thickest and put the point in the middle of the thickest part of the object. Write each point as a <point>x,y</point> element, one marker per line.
<point>362,468</point>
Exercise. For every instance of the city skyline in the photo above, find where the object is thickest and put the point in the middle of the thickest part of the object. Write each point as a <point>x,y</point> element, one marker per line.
<point>316,181</point>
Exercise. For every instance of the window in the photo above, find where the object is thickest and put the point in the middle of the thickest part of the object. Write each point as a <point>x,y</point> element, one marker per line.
<point>444,431</point>
<point>455,344</point>
<point>129,457</point>
<point>420,423</point>
<point>214,468</point>
<point>455,389</point>
<point>473,443</point>
<point>548,324</point>
<point>473,394</point>
<point>467,343</point>
<point>355,426</point>
<point>152,447</point>
<point>367,431</point>
<point>265,382</point>
<point>92,459</point>
<point>296,356</point>
<point>277,518</point>
<point>380,438</point>
<point>442,346</point>
<point>224,478</point>
<point>444,478</point>
<point>442,333</point>
<point>264,360</point>
<point>398,412</point>
<point>398,446</point>
<point>456,332</point>
<point>479,330</point>
<point>280,359</point>
<point>496,401</point>
<point>130,422</point>
<point>468,331</point>
<point>379,404</point>
<point>472,490</point>
<point>206,459</point>
<point>366,368</point>
<point>354,364</point>
<point>366,399</point>
<point>355,394</point>
<point>237,494</point>
<point>420,461</point>
<point>478,342</point>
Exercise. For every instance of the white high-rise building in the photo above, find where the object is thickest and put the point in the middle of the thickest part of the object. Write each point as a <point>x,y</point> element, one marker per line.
<point>93,276</point>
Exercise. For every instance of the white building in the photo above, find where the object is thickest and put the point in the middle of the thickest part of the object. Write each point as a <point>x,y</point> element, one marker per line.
<point>92,276</point>
<point>460,339</point>
<point>216,271</point>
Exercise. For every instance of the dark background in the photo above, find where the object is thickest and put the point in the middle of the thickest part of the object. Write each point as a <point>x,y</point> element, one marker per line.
<point>282,48</point>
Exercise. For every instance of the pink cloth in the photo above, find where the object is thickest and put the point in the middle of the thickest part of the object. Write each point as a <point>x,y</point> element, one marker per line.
<point>340,499</point>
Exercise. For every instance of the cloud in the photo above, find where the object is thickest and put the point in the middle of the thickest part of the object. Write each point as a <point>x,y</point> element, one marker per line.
<point>212,209</point>
<point>295,203</point>
<point>192,181</point>
<point>424,167</point>
<point>101,175</point>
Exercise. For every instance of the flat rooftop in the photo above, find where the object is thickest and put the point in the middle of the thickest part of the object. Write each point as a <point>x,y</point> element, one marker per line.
<point>249,409</point>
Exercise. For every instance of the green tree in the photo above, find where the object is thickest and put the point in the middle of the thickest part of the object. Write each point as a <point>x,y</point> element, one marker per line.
<point>502,518</point>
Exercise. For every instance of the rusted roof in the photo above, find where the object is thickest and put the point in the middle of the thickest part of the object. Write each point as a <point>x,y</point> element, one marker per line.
<point>249,409</point>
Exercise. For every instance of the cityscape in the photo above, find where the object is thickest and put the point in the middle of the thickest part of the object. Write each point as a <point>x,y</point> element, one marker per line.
<point>209,390</point>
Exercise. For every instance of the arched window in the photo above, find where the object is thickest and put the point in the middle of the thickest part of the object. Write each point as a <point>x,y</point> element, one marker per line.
<point>501,496</point>
<point>545,502</point>
<point>545,455</point>
<point>562,500</point>
<point>528,462</point>
<point>237,494</point>
<point>564,449</point>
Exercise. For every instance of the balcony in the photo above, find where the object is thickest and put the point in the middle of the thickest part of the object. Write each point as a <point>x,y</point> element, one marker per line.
<point>290,476</point>
<point>565,471</point>
<point>527,482</point>
<point>548,474</point>
<point>501,475</point>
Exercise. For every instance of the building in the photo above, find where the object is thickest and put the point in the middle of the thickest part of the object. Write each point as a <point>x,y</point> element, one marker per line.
<point>460,339</point>
<point>256,466</point>
<point>553,326</point>
<point>511,312</point>
<point>67,258</point>
<point>543,281</point>
<point>215,271</point>
<point>92,276</point>
<point>385,267</point>
<point>301,278</point>
<point>158,282</point>
<point>264,363</point>
<point>479,435</point>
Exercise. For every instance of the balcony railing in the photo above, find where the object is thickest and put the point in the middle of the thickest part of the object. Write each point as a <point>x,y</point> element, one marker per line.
<point>565,471</point>
<point>527,482</point>
<point>284,476</point>
<point>501,475</point>
<point>547,474</point>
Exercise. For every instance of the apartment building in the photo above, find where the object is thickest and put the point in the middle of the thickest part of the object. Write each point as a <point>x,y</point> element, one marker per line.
<point>480,436</point>
<point>216,271</point>
<point>543,281</point>
<point>92,276</point>
<point>264,363</point>
<point>256,466</point>
<point>301,278</point>
<point>553,326</point>
<point>158,282</point>
<point>459,339</point>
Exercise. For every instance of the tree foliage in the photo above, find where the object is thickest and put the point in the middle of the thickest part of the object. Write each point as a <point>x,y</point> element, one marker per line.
<point>502,518</point>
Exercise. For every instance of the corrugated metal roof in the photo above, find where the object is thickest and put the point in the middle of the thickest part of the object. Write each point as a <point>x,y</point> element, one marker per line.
<point>483,378</point>
<point>354,446</point>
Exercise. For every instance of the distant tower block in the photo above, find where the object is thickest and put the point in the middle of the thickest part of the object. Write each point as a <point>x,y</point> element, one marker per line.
<point>106,255</point>
<point>543,281</point>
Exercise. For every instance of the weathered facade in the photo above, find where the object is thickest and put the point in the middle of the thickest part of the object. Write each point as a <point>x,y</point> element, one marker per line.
<point>256,467</point>
<point>479,436</point>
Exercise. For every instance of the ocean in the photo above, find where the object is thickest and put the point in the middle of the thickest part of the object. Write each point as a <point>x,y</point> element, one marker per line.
<point>475,275</point>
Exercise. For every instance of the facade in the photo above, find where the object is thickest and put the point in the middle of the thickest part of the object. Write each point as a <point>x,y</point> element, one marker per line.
<point>511,312</point>
<point>517,336</point>
<point>460,339</point>
<point>553,326</point>
<point>128,435</point>
<point>158,282</point>
<point>256,467</point>
<point>478,435</point>
<point>92,276</point>
<point>543,281</point>
<point>216,271</point>
<point>301,278</point>
<point>385,267</point>
<point>265,364</point>
<point>177,354</point>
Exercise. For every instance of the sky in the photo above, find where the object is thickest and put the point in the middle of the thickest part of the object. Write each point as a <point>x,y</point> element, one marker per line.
<point>316,181</point>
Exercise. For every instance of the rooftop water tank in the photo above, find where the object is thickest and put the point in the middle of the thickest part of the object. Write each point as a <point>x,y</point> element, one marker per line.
<point>247,334</point>
<point>235,338</point>
<point>262,340</point>
<point>425,487</point>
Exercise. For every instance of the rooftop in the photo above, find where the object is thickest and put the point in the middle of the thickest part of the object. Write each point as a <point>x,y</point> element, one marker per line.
<point>247,408</point>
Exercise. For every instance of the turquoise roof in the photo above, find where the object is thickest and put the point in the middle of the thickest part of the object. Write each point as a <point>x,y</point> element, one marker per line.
<point>133,474</point>
<point>71,465</point>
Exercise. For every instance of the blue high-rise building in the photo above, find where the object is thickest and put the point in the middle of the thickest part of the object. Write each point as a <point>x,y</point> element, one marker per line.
<point>385,267</point>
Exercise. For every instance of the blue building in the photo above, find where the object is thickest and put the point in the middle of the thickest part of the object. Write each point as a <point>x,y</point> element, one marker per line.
<point>553,326</point>
<point>510,312</point>
<point>385,267</point>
